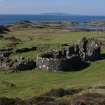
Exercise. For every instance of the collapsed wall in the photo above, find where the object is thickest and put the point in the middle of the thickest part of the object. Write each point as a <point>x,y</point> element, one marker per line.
<point>18,64</point>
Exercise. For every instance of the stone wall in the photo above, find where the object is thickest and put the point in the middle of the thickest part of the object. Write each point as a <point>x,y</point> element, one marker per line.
<point>59,64</point>
<point>18,64</point>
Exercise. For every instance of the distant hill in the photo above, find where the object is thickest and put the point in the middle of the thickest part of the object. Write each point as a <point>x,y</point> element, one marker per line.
<point>56,14</point>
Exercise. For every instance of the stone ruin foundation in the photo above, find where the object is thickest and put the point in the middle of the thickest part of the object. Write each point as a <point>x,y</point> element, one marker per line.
<point>74,57</point>
<point>18,64</point>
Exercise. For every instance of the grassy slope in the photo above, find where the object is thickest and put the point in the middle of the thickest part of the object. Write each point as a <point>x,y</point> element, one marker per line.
<point>31,83</point>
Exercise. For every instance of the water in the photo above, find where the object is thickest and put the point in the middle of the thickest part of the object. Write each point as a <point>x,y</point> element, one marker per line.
<point>8,19</point>
<point>85,28</point>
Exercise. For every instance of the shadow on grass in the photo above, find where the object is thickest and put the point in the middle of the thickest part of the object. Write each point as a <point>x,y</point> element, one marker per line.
<point>102,57</point>
<point>79,67</point>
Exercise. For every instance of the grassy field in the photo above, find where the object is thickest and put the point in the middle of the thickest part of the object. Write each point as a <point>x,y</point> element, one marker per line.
<point>32,83</point>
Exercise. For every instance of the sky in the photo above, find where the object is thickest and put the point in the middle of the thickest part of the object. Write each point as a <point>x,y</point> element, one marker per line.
<point>81,7</point>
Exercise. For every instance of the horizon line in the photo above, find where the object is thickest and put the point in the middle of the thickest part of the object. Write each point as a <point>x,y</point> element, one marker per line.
<point>52,13</point>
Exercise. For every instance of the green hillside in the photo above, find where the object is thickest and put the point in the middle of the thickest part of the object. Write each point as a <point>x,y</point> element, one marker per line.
<point>35,82</point>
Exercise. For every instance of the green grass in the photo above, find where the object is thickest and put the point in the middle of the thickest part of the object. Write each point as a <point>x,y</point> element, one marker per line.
<point>32,83</point>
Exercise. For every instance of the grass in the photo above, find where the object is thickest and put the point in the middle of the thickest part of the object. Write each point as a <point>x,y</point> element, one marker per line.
<point>35,82</point>
<point>31,83</point>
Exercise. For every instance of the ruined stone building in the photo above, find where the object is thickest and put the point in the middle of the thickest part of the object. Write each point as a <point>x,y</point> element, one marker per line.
<point>70,58</point>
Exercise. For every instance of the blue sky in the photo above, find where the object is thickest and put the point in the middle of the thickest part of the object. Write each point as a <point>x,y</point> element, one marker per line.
<point>83,7</point>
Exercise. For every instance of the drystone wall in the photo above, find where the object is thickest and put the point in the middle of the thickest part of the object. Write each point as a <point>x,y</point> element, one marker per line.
<point>59,64</point>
